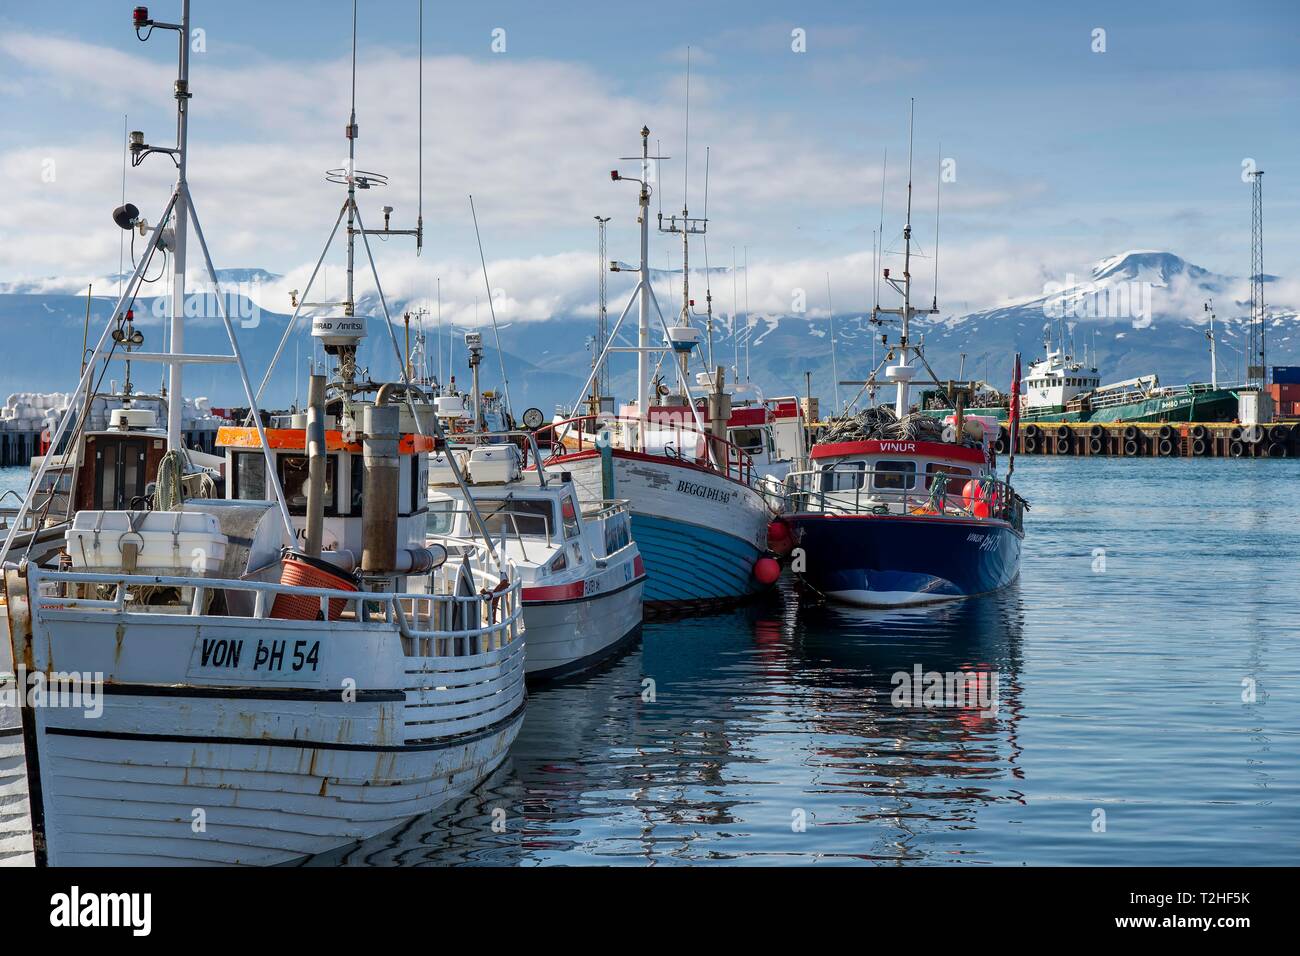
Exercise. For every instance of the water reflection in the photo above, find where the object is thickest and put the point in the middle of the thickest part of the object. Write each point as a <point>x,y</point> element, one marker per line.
<point>764,735</point>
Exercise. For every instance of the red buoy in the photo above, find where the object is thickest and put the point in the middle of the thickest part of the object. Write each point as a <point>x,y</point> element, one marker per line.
<point>981,509</point>
<point>970,491</point>
<point>779,538</point>
<point>767,570</point>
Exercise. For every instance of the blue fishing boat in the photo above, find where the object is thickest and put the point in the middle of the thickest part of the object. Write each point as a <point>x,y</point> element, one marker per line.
<point>885,523</point>
<point>898,507</point>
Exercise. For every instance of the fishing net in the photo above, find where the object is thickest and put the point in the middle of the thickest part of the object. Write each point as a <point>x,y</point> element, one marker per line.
<point>879,423</point>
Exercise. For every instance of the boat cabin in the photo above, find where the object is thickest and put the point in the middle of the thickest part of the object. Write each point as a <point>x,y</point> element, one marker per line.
<point>247,480</point>
<point>112,469</point>
<point>905,476</point>
<point>536,517</point>
<point>1055,381</point>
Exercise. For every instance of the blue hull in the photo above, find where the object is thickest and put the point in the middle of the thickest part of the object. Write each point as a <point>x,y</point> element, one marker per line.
<point>891,561</point>
<point>688,564</point>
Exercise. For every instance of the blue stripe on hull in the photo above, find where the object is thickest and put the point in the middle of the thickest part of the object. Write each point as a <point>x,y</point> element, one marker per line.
<point>685,562</point>
<point>901,561</point>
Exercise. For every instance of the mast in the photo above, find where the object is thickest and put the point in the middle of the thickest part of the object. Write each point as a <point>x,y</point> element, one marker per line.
<point>902,372</point>
<point>600,387</point>
<point>1214,362</point>
<point>180,217</point>
<point>643,297</point>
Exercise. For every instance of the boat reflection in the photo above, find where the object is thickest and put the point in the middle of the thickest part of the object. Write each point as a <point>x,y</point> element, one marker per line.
<point>719,737</point>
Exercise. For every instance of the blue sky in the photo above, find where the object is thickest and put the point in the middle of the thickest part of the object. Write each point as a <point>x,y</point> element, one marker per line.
<point>1062,155</point>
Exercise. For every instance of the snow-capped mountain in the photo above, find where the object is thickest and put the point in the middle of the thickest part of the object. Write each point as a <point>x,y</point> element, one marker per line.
<point>1132,314</point>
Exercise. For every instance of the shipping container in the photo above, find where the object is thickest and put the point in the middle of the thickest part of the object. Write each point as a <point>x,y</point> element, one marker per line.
<point>1286,374</point>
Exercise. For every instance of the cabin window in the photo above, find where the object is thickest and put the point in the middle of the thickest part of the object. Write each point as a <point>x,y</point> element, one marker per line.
<point>843,476</point>
<point>748,440</point>
<point>953,471</point>
<point>415,482</point>
<point>895,475</point>
<point>529,516</point>
<point>569,512</point>
<point>292,470</point>
<point>441,516</point>
<point>250,476</point>
<point>357,485</point>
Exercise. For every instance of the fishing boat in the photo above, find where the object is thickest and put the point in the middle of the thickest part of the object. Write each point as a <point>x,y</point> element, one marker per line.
<point>699,512</point>
<point>581,572</point>
<point>897,508</point>
<point>224,685</point>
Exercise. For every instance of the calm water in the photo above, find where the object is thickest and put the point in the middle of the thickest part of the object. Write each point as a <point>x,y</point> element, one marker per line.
<point>1120,689</point>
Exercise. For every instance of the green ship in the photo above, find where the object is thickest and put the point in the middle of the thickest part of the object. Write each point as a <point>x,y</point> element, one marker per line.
<point>1059,389</point>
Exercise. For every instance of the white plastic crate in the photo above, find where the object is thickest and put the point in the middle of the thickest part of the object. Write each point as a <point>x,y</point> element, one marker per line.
<point>169,542</point>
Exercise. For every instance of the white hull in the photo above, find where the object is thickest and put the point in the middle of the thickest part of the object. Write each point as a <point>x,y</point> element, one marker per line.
<point>200,760</point>
<point>15,815</point>
<point>565,636</point>
<point>124,802</point>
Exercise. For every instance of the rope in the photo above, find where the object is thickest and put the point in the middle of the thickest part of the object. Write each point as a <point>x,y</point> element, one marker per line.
<point>169,492</point>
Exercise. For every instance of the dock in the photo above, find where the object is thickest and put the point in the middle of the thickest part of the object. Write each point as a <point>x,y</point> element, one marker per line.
<point>1156,440</point>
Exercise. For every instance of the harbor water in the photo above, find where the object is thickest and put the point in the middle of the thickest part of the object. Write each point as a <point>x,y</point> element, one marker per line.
<point>1139,689</point>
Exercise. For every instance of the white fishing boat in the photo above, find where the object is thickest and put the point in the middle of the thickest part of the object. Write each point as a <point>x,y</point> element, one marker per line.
<point>581,572</point>
<point>219,686</point>
<point>699,512</point>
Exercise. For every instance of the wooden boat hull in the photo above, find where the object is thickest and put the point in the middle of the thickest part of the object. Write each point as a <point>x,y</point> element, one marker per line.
<point>201,755</point>
<point>698,532</point>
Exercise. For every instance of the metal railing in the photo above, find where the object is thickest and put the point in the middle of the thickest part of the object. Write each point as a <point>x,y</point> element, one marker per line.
<point>842,490</point>
<point>514,517</point>
<point>437,624</point>
<point>716,454</point>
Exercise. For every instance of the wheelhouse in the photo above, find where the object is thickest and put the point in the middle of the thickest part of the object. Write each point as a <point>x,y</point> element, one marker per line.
<point>247,480</point>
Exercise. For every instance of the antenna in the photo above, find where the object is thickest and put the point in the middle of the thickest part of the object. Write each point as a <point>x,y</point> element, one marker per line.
<point>835,370</point>
<point>880,234</point>
<point>601,387</point>
<point>708,274</point>
<point>938,182</point>
<point>492,309</point>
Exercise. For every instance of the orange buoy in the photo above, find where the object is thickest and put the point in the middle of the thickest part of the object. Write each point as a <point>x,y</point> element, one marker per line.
<point>767,570</point>
<point>970,491</point>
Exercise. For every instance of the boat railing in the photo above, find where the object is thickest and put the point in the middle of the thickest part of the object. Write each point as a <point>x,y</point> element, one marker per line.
<point>844,490</point>
<point>513,517</point>
<point>687,442</point>
<point>600,510</point>
<point>440,623</point>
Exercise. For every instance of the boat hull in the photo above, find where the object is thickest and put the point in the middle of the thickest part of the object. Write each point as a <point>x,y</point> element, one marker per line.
<point>15,815</point>
<point>570,631</point>
<point>699,533</point>
<point>203,756</point>
<point>1212,406</point>
<point>897,560</point>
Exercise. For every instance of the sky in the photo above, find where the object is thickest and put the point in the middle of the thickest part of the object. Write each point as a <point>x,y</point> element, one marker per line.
<point>1068,133</point>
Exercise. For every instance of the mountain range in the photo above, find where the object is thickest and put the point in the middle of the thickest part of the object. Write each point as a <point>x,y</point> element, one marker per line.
<point>1135,313</point>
